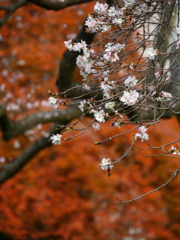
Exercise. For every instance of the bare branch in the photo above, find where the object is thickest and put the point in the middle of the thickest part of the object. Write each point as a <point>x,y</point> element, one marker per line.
<point>174,175</point>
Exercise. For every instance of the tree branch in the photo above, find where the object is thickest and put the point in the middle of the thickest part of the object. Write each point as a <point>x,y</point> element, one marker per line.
<point>56,4</point>
<point>10,169</point>
<point>10,9</point>
<point>62,117</point>
<point>12,129</point>
<point>174,175</point>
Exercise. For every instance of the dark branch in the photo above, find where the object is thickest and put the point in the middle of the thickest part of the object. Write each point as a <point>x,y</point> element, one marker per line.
<point>10,9</point>
<point>12,129</point>
<point>56,4</point>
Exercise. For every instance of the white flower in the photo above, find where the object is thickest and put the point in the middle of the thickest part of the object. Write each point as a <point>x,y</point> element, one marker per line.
<point>82,105</point>
<point>96,126</point>
<point>68,44</point>
<point>172,149</point>
<point>112,12</point>
<point>52,100</point>
<point>111,56</point>
<point>130,98</point>
<point>110,47</point>
<point>128,2</point>
<point>165,96</point>
<point>158,74</point>
<point>56,139</point>
<point>162,96</point>
<point>92,24</point>
<point>130,81</point>
<point>77,47</point>
<point>106,87</point>
<point>112,50</point>
<point>84,63</point>
<point>107,94</point>
<point>106,164</point>
<point>101,8</point>
<point>99,116</point>
<point>151,52</point>
<point>105,27</point>
<point>110,105</point>
<point>142,134</point>
<point>117,21</point>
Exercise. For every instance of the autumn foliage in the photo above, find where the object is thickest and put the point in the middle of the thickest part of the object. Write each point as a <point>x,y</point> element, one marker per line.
<point>63,193</point>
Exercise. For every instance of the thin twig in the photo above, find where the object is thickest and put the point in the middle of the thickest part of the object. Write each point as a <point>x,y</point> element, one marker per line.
<point>174,175</point>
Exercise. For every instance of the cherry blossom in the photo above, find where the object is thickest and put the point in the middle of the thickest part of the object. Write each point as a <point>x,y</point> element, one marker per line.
<point>82,105</point>
<point>130,98</point>
<point>56,139</point>
<point>142,134</point>
<point>128,3</point>
<point>112,12</point>
<point>101,8</point>
<point>117,21</point>
<point>151,52</point>
<point>99,115</point>
<point>162,96</point>
<point>106,164</point>
<point>110,105</point>
<point>174,150</point>
<point>52,100</point>
<point>131,81</point>
<point>77,47</point>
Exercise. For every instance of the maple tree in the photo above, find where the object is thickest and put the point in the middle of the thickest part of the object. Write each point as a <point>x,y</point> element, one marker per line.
<point>30,66</point>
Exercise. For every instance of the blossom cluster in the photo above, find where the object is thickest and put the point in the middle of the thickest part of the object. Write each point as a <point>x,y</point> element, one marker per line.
<point>103,18</point>
<point>111,51</point>
<point>125,91</point>
<point>130,81</point>
<point>162,96</point>
<point>77,47</point>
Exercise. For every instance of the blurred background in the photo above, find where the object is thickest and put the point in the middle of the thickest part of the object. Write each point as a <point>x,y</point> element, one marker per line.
<point>63,193</point>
